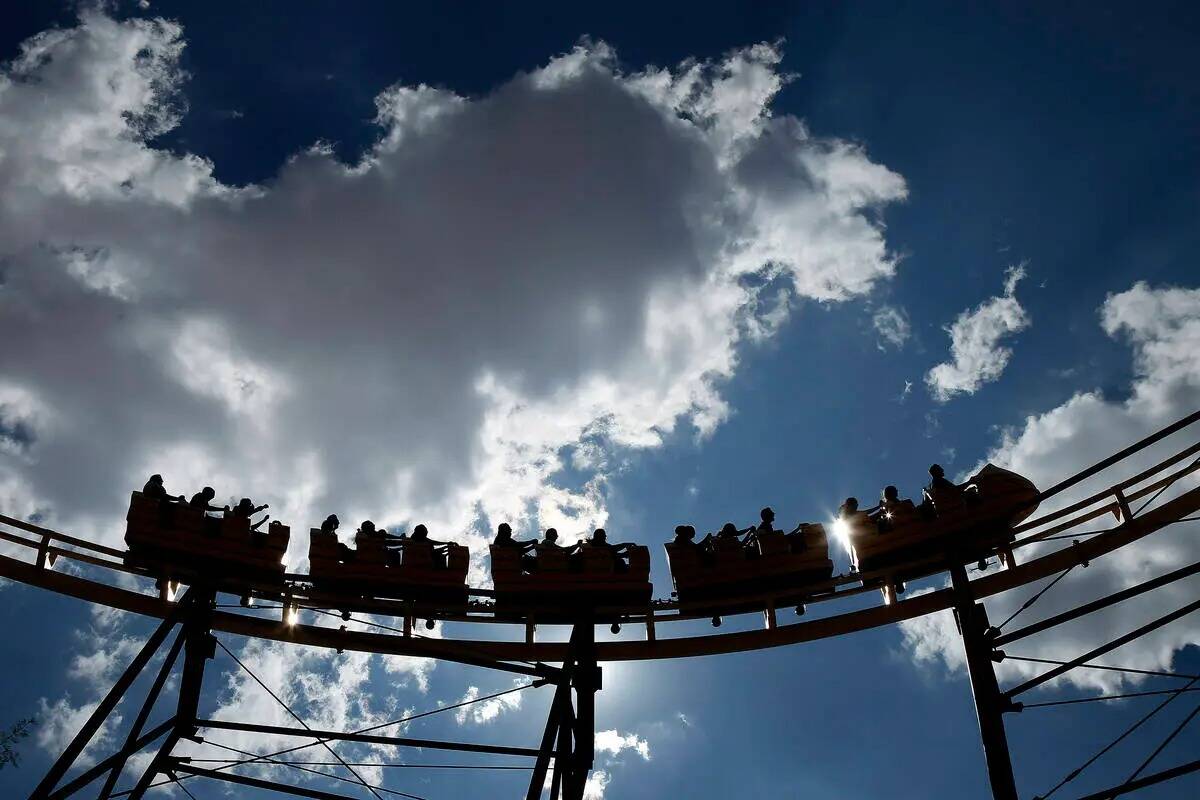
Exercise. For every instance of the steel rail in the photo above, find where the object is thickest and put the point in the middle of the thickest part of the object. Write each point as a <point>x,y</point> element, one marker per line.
<point>482,652</point>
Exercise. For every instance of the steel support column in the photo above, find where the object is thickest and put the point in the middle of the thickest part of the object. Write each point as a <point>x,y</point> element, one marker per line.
<point>569,737</point>
<point>989,702</point>
<point>198,647</point>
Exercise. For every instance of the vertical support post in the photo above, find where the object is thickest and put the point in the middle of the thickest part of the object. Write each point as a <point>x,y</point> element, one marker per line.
<point>198,647</point>
<point>43,549</point>
<point>989,703</point>
<point>554,722</point>
<point>1123,504</point>
<point>587,681</point>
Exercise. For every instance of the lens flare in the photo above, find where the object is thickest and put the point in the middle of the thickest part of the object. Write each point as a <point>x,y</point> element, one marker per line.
<point>841,532</point>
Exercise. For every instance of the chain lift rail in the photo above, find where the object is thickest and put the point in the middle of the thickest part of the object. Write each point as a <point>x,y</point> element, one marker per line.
<point>566,750</point>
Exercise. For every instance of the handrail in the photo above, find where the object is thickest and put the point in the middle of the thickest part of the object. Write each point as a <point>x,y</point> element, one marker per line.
<point>1125,484</point>
<point>1121,455</point>
<point>62,537</point>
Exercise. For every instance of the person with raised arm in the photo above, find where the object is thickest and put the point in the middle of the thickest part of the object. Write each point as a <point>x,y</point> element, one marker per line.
<point>202,500</point>
<point>599,541</point>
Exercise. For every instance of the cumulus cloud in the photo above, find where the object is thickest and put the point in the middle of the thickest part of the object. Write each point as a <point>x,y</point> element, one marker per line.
<point>614,743</point>
<point>547,275</point>
<point>1162,325</point>
<point>485,711</point>
<point>892,325</point>
<point>429,333</point>
<point>975,349</point>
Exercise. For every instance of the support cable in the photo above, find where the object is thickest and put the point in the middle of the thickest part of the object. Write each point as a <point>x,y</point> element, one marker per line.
<point>1098,604</point>
<point>1110,530</point>
<point>294,715</point>
<point>1036,597</point>
<point>1079,770</point>
<point>1104,648</point>
<point>1162,746</point>
<point>1131,670</point>
<point>391,628</point>
<point>317,771</point>
<point>1102,697</point>
<point>1142,783</point>
<point>381,764</point>
<point>374,728</point>
<point>175,779</point>
<point>1166,486</point>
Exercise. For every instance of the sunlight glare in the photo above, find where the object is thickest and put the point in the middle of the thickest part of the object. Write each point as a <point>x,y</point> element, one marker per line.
<point>841,532</point>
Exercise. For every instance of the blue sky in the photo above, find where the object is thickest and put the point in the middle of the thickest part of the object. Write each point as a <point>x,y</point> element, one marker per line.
<point>1062,142</point>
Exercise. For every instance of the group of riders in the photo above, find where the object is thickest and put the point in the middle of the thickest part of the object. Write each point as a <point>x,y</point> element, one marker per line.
<point>891,512</point>
<point>202,502</point>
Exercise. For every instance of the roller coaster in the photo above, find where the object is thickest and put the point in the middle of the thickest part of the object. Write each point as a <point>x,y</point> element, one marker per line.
<point>180,565</point>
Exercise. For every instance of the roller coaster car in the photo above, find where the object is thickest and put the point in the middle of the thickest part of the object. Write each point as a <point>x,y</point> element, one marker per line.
<point>561,584</point>
<point>778,563</point>
<point>963,525</point>
<point>414,572</point>
<point>180,542</point>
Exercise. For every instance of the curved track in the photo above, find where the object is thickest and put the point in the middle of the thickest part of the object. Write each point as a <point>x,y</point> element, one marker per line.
<point>111,583</point>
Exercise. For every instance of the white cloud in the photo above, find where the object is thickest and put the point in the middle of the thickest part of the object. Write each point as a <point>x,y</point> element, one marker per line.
<point>1163,327</point>
<point>482,712</point>
<point>429,334</point>
<point>597,784</point>
<point>60,721</point>
<point>551,273</point>
<point>614,743</point>
<point>978,357</point>
<point>892,325</point>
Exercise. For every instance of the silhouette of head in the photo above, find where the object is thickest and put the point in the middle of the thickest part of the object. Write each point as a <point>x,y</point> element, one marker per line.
<point>504,531</point>
<point>420,532</point>
<point>767,514</point>
<point>367,526</point>
<point>331,523</point>
<point>156,478</point>
<point>208,493</point>
<point>551,535</point>
<point>729,529</point>
<point>891,493</point>
<point>850,506</point>
<point>937,471</point>
<point>244,504</point>
<point>599,536</point>
<point>685,532</point>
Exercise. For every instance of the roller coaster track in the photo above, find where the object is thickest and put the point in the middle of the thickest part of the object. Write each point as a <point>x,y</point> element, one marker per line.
<point>1115,500</point>
<point>1050,545</point>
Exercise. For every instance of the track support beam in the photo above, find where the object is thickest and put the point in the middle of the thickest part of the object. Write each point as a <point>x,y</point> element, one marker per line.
<point>989,702</point>
<point>570,734</point>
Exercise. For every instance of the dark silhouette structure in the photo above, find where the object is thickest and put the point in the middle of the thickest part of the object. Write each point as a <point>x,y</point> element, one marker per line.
<point>998,523</point>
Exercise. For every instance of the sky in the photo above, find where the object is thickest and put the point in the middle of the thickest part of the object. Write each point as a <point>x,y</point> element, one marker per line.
<point>634,266</point>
